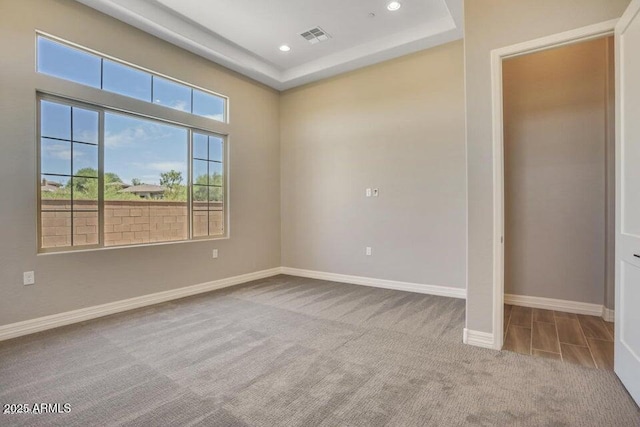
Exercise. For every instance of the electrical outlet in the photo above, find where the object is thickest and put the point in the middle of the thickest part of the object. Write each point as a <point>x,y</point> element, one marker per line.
<point>375,192</point>
<point>368,251</point>
<point>368,192</point>
<point>214,254</point>
<point>29,278</point>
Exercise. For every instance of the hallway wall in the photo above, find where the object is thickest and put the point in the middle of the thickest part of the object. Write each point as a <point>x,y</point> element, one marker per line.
<point>555,172</point>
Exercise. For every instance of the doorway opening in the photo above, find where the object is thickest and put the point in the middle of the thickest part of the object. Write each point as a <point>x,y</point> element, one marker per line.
<point>555,210</point>
<point>559,186</point>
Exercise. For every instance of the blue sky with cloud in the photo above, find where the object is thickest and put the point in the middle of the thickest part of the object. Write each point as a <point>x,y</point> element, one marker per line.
<point>134,148</point>
<point>60,60</point>
<point>143,149</point>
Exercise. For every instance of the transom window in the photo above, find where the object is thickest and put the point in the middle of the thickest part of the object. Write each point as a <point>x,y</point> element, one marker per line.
<point>109,178</point>
<point>80,66</point>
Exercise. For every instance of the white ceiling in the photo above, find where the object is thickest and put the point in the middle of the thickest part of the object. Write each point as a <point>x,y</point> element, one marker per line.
<point>244,35</point>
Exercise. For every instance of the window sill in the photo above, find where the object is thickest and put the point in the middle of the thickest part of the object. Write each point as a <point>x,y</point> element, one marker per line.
<point>67,251</point>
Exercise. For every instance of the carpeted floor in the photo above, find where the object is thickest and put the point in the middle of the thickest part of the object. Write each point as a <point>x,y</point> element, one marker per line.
<point>287,351</point>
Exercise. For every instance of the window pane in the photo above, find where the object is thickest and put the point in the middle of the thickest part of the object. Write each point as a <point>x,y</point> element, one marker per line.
<point>56,229</point>
<point>200,146</point>
<point>201,210</point>
<point>55,120</point>
<point>138,152</point>
<point>55,157</point>
<point>215,195</point>
<point>171,94</point>
<point>85,159</point>
<point>200,197</point>
<point>59,60</point>
<point>55,193</point>
<point>216,222</point>
<point>85,211</point>
<point>200,223</point>
<point>208,190</point>
<point>207,105</point>
<point>126,81</point>
<point>85,125</point>
<point>215,148</point>
<point>85,228</point>
<point>200,172</point>
<point>145,181</point>
<point>85,193</point>
<point>84,189</point>
<point>55,211</point>
<point>215,173</point>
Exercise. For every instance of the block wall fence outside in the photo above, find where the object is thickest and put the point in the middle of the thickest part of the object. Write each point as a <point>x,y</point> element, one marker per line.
<point>126,222</point>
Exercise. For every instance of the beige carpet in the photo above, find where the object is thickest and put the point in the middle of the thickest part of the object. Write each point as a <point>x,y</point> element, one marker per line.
<point>288,351</point>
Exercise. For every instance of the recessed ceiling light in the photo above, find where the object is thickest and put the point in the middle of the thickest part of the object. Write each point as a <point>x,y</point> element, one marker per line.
<point>285,48</point>
<point>394,5</point>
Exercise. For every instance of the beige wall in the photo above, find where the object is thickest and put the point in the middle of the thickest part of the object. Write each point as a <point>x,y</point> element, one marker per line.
<point>396,126</point>
<point>492,24</point>
<point>74,280</point>
<point>555,185</point>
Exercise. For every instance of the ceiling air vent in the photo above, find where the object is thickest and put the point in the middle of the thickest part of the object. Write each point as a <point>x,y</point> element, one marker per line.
<point>315,35</point>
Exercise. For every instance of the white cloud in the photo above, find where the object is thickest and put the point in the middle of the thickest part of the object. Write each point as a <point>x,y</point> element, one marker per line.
<point>60,151</point>
<point>86,136</point>
<point>125,137</point>
<point>165,166</point>
<point>138,131</point>
<point>180,105</point>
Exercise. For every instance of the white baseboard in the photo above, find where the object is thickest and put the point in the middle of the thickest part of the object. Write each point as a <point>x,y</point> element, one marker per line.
<point>444,291</point>
<point>39,324</point>
<point>26,327</point>
<point>555,304</point>
<point>608,315</point>
<point>478,339</point>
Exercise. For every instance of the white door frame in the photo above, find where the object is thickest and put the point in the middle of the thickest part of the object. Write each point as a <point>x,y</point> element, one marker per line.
<point>578,35</point>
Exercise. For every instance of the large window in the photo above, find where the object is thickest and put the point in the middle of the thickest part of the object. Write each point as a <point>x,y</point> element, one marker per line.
<point>109,178</point>
<point>80,66</point>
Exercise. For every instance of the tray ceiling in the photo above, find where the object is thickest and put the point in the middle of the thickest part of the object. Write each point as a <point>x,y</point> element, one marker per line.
<point>245,35</point>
